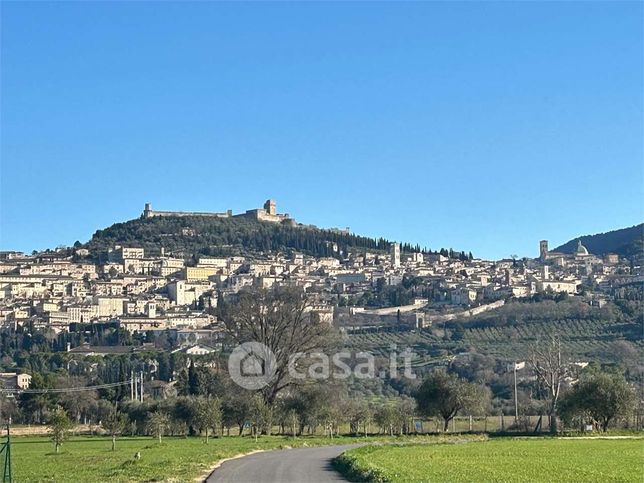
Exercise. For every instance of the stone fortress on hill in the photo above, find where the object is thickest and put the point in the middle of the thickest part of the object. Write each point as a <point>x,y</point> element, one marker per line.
<point>268,213</point>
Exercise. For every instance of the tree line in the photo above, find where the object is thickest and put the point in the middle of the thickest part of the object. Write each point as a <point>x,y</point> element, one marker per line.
<point>599,399</point>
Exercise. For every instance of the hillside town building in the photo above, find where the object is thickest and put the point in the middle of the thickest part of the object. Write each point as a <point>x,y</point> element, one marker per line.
<point>176,296</point>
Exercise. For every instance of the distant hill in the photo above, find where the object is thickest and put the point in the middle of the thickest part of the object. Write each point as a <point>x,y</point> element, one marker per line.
<point>188,235</point>
<point>626,242</point>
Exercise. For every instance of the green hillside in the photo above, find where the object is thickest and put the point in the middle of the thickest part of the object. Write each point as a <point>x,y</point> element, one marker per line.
<point>626,242</point>
<point>230,236</point>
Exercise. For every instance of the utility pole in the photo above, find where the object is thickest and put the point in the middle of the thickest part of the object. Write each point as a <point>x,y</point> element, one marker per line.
<point>136,387</point>
<point>141,386</point>
<point>515,367</point>
<point>516,401</point>
<point>6,449</point>
<point>131,385</point>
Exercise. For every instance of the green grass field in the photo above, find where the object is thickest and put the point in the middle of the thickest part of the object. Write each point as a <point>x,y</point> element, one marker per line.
<point>91,458</point>
<point>175,459</point>
<point>502,459</point>
<point>186,459</point>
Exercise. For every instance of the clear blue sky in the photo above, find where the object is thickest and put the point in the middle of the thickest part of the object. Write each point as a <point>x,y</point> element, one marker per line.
<point>481,126</point>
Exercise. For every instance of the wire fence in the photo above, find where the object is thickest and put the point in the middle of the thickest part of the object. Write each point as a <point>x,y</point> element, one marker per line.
<point>539,424</point>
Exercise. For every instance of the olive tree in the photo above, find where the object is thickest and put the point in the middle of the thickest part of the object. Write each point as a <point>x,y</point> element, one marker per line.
<point>207,414</point>
<point>157,424</point>
<point>386,418</point>
<point>59,427</point>
<point>236,409</point>
<point>600,397</point>
<point>114,424</point>
<point>445,395</point>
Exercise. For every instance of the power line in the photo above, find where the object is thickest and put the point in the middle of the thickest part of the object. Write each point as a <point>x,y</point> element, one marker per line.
<point>64,389</point>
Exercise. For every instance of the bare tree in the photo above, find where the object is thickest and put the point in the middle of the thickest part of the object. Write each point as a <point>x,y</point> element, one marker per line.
<point>551,368</point>
<point>281,319</point>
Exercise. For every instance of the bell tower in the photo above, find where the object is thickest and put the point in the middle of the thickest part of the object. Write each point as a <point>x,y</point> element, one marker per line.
<point>543,250</point>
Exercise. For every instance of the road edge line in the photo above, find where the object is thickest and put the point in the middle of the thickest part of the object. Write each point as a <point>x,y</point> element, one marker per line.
<point>211,470</point>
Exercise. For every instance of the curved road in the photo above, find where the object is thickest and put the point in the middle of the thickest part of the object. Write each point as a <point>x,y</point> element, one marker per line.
<point>298,465</point>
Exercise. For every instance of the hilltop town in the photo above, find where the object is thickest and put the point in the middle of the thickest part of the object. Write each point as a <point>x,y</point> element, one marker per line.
<point>148,295</point>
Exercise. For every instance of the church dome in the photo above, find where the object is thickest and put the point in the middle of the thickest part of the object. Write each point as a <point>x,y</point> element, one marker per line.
<point>581,250</point>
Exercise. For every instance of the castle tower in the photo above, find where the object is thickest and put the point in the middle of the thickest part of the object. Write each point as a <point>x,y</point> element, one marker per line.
<point>543,250</point>
<point>147,211</point>
<point>271,207</point>
<point>395,254</point>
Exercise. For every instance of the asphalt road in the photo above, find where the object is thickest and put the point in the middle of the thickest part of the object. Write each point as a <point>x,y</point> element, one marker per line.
<point>298,465</point>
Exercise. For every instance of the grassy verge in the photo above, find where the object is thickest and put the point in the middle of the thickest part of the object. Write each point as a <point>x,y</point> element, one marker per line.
<point>89,458</point>
<point>502,459</point>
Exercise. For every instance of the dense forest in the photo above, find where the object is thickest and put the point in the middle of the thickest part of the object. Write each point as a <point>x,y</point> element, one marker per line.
<point>627,242</point>
<point>232,236</point>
